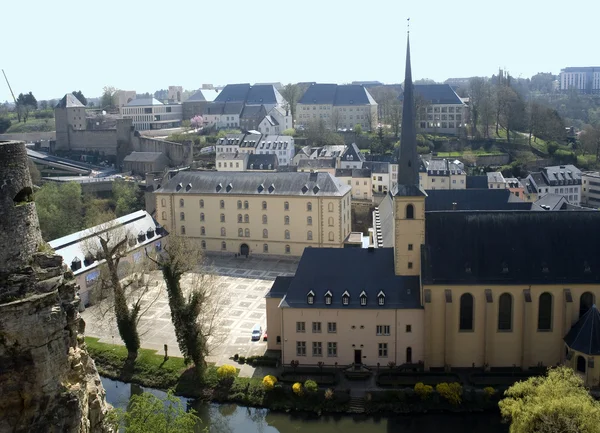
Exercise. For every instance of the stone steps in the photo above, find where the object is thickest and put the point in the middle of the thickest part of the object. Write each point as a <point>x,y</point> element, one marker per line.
<point>357,405</point>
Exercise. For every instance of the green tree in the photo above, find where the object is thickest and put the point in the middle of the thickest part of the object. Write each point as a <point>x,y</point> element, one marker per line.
<point>147,413</point>
<point>556,403</point>
<point>79,95</point>
<point>128,197</point>
<point>108,98</point>
<point>4,124</point>
<point>35,174</point>
<point>26,103</point>
<point>358,129</point>
<point>59,208</point>
<point>590,140</point>
<point>291,93</point>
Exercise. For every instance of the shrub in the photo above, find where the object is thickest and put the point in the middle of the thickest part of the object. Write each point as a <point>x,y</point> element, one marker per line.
<point>242,359</point>
<point>226,371</point>
<point>489,391</point>
<point>269,382</point>
<point>297,388</point>
<point>552,148</point>
<point>235,357</point>
<point>310,385</point>
<point>329,394</point>
<point>423,391</point>
<point>450,391</point>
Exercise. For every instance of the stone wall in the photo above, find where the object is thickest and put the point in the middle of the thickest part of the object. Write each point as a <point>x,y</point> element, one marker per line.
<point>29,137</point>
<point>48,382</point>
<point>179,154</point>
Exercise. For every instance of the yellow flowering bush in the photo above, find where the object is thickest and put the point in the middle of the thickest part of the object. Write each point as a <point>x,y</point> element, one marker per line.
<point>489,391</point>
<point>450,391</point>
<point>423,391</point>
<point>269,382</point>
<point>297,388</point>
<point>226,371</point>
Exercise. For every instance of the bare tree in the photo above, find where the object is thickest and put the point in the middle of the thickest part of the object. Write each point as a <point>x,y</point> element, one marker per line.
<point>590,140</point>
<point>394,117</point>
<point>291,93</point>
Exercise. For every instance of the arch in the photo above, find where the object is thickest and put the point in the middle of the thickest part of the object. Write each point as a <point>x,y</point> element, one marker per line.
<point>466,312</point>
<point>287,249</point>
<point>247,233</point>
<point>244,249</point>
<point>202,216</point>
<point>223,245</point>
<point>286,205</point>
<point>181,216</point>
<point>409,355</point>
<point>201,203</point>
<point>309,207</point>
<point>586,300</point>
<point>330,207</point>
<point>223,231</point>
<point>246,206</point>
<point>309,235</point>
<point>264,219</point>
<point>286,220</point>
<point>309,221</point>
<point>581,364</point>
<point>240,218</point>
<point>331,237</point>
<point>239,204</point>
<point>410,212</point>
<point>264,205</point>
<point>163,202</point>
<point>241,232</point>
<point>181,202</point>
<point>287,234</point>
<point>222,204</point>
<point>265,233</point>
<point>202,230</point>
<point>330,221</point>
<point>203,245</point>
<point>222,217</point>
<point>545,312</point>
<point>182,230</point>
<point>246,218</point>
<point>505,312</point>
<point>164,215</point>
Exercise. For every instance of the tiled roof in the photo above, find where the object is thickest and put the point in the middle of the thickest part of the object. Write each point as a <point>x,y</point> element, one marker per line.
<point>495,176</point>
<point>254,183</point>
<point>319,94</point>
<point>473,199</point>
<point>385,230</point>
<point>316,163</point>
<point>143,156</point>
<point>353,172</point>
<point>334,94</point>
<point>377,167</point>
<point>143,102</point>
<point>263,94</point>
<point>584,336</point>
<point>352,153</point>
<point>351,270</point>
<point>279,287</point>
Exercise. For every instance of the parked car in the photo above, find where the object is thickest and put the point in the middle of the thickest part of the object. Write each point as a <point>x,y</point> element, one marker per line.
<point>265,336</point>
<point>256,332</point>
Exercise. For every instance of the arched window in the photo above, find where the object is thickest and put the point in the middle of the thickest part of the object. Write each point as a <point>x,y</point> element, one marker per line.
<point>287,249</point>
<point>241,232</point>
<point>581,364</point>
<point>286,205</point>
<point>330,207</point>
<point>246,218</point>
<point>223,245</point>
<point>287,234</point>
<point>264,218</point>
<point>409,355</point>
<point>410,212</point>
<point>240,218</point>
<point>247,233</point>
<point>201,203</point>
<point>331,238</point>
<point>505,312</point>
<point>286,220</point>
<point>309,235</point>
<point>223,231</point>
<point>265,248</point>
<point>202,216</point>
<point>181,216</point>
<point>309,221</point>
<point>202,230</point>
<point>183,230</point>
<point>203,243</point>
<point>222,217</point>
<point>164,215</point>
<point>222,204</point>
<point>264,205</point>
<point>163,202</point>
<point>586,300</point>
<point>239,204</point>
<point>246,204</point>
<point>309,207</point>
<point>466,312</point>
<point>545,312</point>
<point>265,233</point>
<point>181,202</point>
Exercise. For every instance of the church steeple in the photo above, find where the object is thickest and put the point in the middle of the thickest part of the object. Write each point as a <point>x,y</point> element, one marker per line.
<point>408,161</point>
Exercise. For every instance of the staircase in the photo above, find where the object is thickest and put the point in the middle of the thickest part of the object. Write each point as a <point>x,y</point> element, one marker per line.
<point>357,405</point>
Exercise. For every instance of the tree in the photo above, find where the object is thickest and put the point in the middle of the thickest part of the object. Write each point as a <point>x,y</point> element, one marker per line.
<point>291,93</point>
<point>35,174</point>
<point>79,95</point>
<point>26,103</point>
<point>108,98</point>
<point>59,208</point>
<point>148,413</point>
<point>510,110</point>
<point>590,140</point>
<point>557,403</point>
<point>5,123</point>
<point>358,129</point>
<point>394,116</point>
<point>43,105</point>
<point>128,197</point>
<point>477,95</point>
<point>197,121</point>
<point>195,315</point>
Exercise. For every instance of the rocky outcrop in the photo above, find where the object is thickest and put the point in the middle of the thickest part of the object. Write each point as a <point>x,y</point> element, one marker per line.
<point>48,382</point>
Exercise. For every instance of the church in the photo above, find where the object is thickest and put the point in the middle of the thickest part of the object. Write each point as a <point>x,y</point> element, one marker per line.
<point>455,289</point>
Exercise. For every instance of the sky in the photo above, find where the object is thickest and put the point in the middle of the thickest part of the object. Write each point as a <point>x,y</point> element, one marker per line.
<point>148,45</point>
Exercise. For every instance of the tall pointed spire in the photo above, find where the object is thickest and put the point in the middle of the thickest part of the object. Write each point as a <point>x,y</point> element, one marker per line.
<point>408,162</point>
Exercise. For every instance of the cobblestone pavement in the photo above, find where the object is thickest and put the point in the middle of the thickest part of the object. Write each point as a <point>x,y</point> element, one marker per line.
<point>244,283</point>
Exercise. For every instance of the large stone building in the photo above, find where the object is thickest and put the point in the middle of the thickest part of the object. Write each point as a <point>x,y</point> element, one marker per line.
<point>583,79</point>
<point>559,179</point>
<point>251,213</point>
<point>457,289</point>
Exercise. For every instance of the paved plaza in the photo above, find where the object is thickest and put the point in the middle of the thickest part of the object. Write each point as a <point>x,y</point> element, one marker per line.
<point>244,284</point>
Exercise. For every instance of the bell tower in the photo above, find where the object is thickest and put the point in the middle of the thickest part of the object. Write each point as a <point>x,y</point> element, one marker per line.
<point>409,199</point>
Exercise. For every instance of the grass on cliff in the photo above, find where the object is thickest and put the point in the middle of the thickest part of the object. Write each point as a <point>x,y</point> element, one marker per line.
<point>150,369</point>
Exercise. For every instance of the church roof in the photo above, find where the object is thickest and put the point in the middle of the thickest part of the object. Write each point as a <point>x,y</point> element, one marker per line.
<point>584,335</point>
<point>474,199</point>
<point>511,247</point>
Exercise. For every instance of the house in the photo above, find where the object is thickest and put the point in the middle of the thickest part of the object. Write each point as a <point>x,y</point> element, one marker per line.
<point>222,114</point>
<point>280,145</point>
<point>380,173</point>
<point>228,161</point>
<point>360,181</point>
<point>251,117</point>
<point>141,163</point>
<point>352,157</point>
<point>440,173</point>
<point>496,180</point>
<point>143,233</point>
<point>265,162</point>
<point>560,179</point>
<point>590,194</point>
<point>327,165</point>
<point>195,104</point>
<point>252,212</point>
<point>152,114</point>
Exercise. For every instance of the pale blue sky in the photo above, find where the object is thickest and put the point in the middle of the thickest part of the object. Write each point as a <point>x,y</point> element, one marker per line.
<point>147,45</point>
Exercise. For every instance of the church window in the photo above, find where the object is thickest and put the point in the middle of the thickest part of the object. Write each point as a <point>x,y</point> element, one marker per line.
<point>545,312</point>
<point>466,312</point>
<point>585,303</point>
<point>410,212</point>
<point>505,312</point>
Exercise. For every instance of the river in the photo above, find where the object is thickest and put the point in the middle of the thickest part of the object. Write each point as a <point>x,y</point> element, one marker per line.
<point>231,418</point>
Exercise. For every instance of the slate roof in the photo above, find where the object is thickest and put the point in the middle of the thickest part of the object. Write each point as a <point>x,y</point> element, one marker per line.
<point>279,288</point>
<point>316,163</point>
<point>495,176</point>
<point>198,96</point>
<point>253,183</point>
<point>436,94</point>
<point>354,270</point>
<point>231,139</point>
<point>255,160</point>
<point>279,142</point>
<point>334,94</point>
<point>353,154</point>
<point>233,93</point>
<point>553,202</point>
<point>319,94</point>
<point>143,156</point>
<point>377,166</point>
<point>233,108</point>
<point>353,172</point>
<point>143,102</point>
<point>251,140</point>
<point>511,247</point>
<point>263,94</point>
<point>477,182</point>
<point>233,156</point>
<point>385,232</point>
<point>287,169</point>
<point>203,95</point>
<point>253,111</point>
<point>473,199</point>
<point>562,175</point>
<point>69,101</point>
<point>584,336</point>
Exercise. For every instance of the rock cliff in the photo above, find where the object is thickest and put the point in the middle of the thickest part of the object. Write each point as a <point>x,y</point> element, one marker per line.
<point>48,382</point>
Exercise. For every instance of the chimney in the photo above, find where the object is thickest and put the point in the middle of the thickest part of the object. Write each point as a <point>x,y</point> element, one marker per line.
<point>454,205</point>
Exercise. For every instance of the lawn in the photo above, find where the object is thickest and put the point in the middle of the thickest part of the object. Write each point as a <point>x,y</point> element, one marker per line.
<point>32,125</point>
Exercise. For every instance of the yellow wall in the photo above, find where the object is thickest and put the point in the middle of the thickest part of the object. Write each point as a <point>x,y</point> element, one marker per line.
<point>408,231</point>
<point>591,376</point>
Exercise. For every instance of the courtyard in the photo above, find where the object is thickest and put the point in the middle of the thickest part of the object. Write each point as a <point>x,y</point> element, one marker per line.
<point>242,284</point>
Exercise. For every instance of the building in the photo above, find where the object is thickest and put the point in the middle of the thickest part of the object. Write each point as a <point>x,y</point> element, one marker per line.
<point>280,145</point>
<point>564,180</point>
<point>232,161</point>
<point>265,162</point>
<point>222,114</point>
<point>251,117</point>
<point>152,114</point>
<point>380,173</point>
<point>142,231</point>
<point>584,79</point>
<point>496,180</point>
<point>326,165</point>
<point>439,173</point>
<point>174,94</point>
<point>516,187</point>
<point>497,289</point>
<point>256,212</point>
<point>195,104</point>
<point>590,194</point>
<point>352,157</point>
<point>124,97</point>
<point>360,181</point>
<point>339,106</point>
<point>141,163</point>
<point>276,121</point>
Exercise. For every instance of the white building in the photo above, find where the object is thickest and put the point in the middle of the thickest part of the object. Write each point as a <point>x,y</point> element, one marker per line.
<point>496,180</point>
<point>590,194</point>
<point>564,180</point>
<point>585,79</point>
<point>352,157</point>
<point>280,145</point>
<point>152,114</point>
<point>380,174</point>
<point>439,173</point>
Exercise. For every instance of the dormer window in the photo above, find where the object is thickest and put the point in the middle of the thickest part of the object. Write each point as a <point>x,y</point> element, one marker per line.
<point>381,298</point>
<point>586,267</point>
<point>468,268</point>
<point>345,298</point>
<point>328,298</point>
<point>310,297</point>
<point>504,268</point>
<point>545,269</point>
<point>363,298</point>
